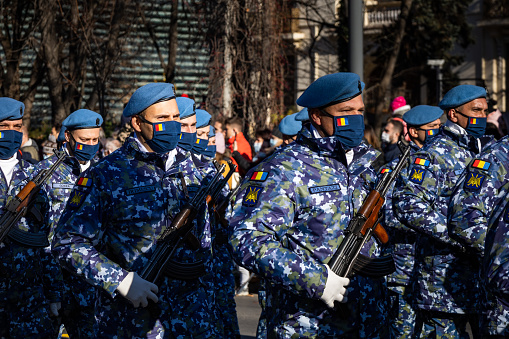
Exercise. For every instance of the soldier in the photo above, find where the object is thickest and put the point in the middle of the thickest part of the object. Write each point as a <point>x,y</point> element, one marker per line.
<point>423,124</point>
<point>289,127</point>
<point>446,281</point>
<point>81,131</point>
<point>28,277</point>
<point>291,213</point>
<point>114,216</point>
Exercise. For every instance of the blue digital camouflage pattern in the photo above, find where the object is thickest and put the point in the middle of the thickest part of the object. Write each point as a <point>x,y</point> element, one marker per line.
<point>288,221</point>
<point>78,312</point>
<point>495,272</point>
<point>446,279</point>
<point>402,245</point>
<point>26,284</point>
<point>478,193</point>
<point>127,201</point>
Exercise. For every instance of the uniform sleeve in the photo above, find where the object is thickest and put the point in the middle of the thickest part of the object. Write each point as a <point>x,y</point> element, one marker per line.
<point>475,197</point>
<point>415,201</point>
<point>81,226</point>
<point>262,214</point>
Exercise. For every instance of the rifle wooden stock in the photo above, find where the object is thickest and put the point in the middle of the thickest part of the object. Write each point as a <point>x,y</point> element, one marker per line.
<point>371,210</point>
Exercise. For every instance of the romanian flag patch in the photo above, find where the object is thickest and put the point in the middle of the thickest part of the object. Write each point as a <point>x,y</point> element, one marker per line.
<point>417,175</point>
<point>422,162</point>
<point>79,147</point>
<point>481,164</point>
<point>1,135</point>
<point>474,181</point>
<point>385,170</point>
<point>160,127</point>
<point>252,196</point>
<point>430,132</point>
<point>259,176</point>
<point>473,121</point>
<point>342,122</point>
<point>85,182</point>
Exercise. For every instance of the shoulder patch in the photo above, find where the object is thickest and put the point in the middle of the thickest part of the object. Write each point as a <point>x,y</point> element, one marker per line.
<point>474,180</point>
<point>385,170</point>
<point>259,176</point>
<point>252,196</point>
<point>417,175</point>
<point>481,164</point>
<point>84,182</point>
<point>76,199</point>
<point>422,162</point>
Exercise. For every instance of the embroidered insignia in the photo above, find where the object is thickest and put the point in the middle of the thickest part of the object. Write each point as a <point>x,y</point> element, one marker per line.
<point>474,181</point>
<point>252,195</point>
<point>140,189</point>
<point>321,189</point>
<point>76,198</point>
<point>385,170</point>
<point>84,182</point>
<point>422,162</point>
<point>259,176</point>
<point>417,175</point>
<point>481,164</point>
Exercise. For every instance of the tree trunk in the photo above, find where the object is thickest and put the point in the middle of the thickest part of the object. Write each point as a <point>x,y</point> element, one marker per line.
<point>169,72</point>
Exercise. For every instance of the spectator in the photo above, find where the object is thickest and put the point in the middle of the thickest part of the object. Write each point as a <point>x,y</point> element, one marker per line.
<point>235,135</point>
<point>110,146</point>
<point>261,143</point>
<point>398,108</point>
<point>218,125</point>
<point>50,143</point>
<point>29,147</point>
<point>392,133</point>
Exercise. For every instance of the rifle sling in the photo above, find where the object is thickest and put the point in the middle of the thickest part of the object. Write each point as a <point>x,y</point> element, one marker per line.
<point>374,267</point>
<point>184,271</point>
<point>29,239</point>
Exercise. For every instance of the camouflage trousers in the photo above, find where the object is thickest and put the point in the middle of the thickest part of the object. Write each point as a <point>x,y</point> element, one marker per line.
<point>261,329</point>
<point>224,286</point>
<point>431,324</point>
<point>401,313</point>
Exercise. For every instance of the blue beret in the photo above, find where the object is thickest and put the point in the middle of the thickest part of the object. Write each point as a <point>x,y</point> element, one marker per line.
<point>83,118</point>
<point>331,89</point>
<point>289,125</point>
<point>212,132</point>
<point>303,115</point>
<point>202,118</point>
<point>187,107</point>
<point>422,115</point>
<point>11,109</point>
<point>61,135</point>
<point>460,95</point>
<point>146,96</point>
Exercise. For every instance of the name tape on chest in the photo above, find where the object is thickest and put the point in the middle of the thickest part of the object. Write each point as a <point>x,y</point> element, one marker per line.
<point>140,189</point>
<point>62,186</point>
<point>326,188</point>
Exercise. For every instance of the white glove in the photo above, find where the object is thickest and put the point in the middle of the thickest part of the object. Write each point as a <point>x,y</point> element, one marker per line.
<point>334,288</point>
<point>137,290</point>
<point>54,308</point>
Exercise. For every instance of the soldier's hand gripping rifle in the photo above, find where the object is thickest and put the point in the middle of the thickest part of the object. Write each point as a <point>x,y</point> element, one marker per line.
<point>363,226</point>
<point>180,227</point>
<point>17,207</point>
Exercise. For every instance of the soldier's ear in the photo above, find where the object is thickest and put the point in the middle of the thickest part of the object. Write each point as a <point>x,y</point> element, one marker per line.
<point>452,115</point>
<point>314,116</point>
<point>136,123</point>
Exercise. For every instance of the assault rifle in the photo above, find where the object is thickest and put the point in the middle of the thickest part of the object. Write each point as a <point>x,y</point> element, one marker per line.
<point>17,208</point>
<point>179,229</point>
<point>365,224</point>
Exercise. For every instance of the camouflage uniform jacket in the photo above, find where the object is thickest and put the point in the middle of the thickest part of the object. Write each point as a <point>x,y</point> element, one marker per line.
<point>401,238</point>
<point>116,213</point>
<point>495,271</point>
<point>445,276</point>
<point>27,280</point>
<point>289,218</point>
<point>479,191</point>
